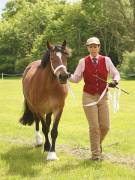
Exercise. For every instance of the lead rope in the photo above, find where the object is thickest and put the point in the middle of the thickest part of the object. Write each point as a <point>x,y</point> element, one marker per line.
<point>116,98</point>
<point>71,91</point>
<point>102,95</point>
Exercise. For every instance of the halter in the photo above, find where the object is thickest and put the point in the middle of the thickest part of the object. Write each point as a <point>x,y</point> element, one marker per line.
<point>58,67</point>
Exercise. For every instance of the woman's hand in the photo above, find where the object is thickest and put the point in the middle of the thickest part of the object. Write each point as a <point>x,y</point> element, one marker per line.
<point>113,84</point>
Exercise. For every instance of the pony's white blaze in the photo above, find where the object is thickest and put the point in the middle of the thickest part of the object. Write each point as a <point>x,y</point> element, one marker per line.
<point>59,55</point>
<point>58,67</point>
<point>39,140</point>
<point>52,156</point>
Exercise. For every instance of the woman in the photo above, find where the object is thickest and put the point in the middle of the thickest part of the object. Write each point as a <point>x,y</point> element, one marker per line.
<point>93,68</point>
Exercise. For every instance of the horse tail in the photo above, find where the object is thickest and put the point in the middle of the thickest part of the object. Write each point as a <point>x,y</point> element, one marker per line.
<point>28,116</point>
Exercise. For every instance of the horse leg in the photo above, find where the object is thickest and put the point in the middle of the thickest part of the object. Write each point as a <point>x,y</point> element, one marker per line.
<point>39,140</point>
<point>54,134</point>
<point>45,129</point>
<point>48,122</point>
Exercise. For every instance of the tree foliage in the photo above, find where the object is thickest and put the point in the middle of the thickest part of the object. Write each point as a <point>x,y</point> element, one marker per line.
<point>128,65</point>
<point>26,25</point>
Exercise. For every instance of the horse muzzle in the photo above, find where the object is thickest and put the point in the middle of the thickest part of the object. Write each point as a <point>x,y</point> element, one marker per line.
<point>63,78</point>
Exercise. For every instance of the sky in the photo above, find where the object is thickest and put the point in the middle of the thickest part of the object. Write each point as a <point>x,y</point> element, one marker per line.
<point>2,5</point>
<point>3,2</point>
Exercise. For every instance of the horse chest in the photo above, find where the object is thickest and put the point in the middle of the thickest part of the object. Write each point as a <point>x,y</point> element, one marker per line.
<point>51,104</point>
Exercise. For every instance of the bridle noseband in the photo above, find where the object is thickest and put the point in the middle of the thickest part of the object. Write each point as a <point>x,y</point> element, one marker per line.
<point>58,50</point>
<point>58,67</point>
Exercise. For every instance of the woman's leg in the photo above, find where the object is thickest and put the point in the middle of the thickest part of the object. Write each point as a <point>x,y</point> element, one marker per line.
<point>104,120</point>
<point>91,113</point>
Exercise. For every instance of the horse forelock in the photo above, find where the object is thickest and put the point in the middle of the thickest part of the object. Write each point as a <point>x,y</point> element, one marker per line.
<point>58,48</point>
<point>62,49</point>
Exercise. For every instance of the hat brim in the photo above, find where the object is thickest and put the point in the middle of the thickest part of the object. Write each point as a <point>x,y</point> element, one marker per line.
<point>87,44</point>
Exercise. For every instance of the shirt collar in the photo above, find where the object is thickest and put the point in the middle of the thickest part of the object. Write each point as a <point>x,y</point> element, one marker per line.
<point>95,57</point>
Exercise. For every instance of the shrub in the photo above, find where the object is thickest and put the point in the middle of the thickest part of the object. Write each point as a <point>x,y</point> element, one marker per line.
<point>21,64</point>
<point>128,65</point>
<point>7,64</point>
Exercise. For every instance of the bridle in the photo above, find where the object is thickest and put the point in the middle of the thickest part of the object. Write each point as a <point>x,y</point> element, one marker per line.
<point>58,50</point>
<point>58,67</point>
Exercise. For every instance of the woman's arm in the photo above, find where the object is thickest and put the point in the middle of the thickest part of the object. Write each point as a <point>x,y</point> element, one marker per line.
<point>112,70</point>
<point>78,74</point>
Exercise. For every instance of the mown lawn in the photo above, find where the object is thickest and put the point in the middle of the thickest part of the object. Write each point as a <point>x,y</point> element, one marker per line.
<point>20,160</point>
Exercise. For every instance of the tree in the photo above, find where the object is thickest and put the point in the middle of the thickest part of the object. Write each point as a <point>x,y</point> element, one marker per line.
<point>107,22</point>
<point>27,25</point>
<point>18,30</point>
<point>68,23</point>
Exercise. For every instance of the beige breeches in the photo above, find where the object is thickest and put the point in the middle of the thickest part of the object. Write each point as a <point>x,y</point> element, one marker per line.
<point>98,120</point>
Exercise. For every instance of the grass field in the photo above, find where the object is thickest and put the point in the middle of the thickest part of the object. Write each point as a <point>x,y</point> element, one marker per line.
<point>20,160</point>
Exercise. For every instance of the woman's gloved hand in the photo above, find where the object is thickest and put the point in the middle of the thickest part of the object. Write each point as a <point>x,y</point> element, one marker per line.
<point>113,84</point>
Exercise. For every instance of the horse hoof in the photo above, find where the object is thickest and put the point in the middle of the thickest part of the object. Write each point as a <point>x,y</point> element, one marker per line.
<point>39,140</point>
<point>52,156</point>
<point>38,143</point>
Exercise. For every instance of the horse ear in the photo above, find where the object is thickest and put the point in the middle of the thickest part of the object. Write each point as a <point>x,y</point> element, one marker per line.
<point>49,45</point>
<point>64,44</point>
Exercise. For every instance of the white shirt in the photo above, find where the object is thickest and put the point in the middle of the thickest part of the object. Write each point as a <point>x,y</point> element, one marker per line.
<point>78,74</point>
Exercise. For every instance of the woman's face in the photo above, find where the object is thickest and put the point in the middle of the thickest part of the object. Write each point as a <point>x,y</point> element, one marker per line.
<point>93,49</point>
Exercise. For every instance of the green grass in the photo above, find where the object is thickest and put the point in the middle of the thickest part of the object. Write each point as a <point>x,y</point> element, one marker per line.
<point>20,160</point>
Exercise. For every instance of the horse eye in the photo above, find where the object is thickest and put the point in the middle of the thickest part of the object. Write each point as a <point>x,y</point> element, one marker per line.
<point>65,53</point>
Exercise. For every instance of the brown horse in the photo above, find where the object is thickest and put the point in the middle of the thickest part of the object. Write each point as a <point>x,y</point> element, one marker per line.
<point>45,89</point>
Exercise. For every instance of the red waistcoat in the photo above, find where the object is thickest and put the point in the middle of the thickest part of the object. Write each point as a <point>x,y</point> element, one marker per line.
<point>92,84</point>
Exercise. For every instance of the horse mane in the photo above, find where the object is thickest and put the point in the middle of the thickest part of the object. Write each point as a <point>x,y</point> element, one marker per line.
<point>45,59</point>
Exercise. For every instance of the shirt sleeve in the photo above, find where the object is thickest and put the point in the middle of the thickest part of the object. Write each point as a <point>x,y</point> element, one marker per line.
<point>112,69</point>
<point>78,74</point>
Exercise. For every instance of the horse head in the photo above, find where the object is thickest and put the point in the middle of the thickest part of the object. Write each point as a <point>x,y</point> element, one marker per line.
<point>58,61</point>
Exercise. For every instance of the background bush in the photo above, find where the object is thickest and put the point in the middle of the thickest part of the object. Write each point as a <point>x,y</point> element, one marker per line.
<point>128,65</point>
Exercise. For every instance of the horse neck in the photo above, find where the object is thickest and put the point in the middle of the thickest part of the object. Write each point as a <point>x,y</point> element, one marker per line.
<point>48,73</point>
<point>50,82</point>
